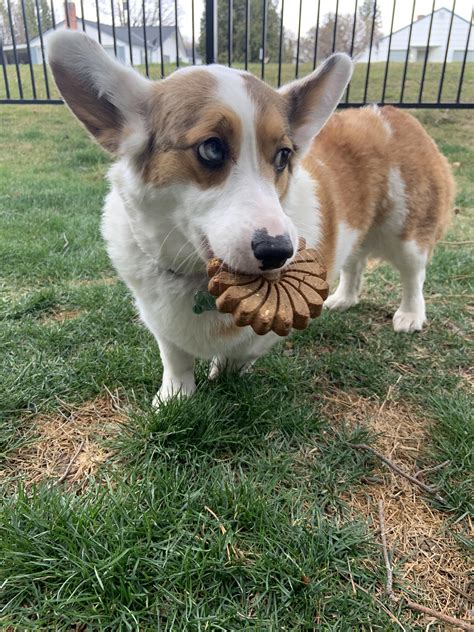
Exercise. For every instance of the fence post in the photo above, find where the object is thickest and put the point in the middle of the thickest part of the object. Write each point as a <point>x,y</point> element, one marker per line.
<point>211,31</point>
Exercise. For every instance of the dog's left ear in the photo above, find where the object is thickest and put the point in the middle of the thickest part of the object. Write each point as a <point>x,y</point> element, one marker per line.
<point>312,100</point>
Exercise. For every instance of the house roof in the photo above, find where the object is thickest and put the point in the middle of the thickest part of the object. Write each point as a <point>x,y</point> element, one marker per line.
<point>425,17</point>
<point>121,32</point>
<point>136,33</point>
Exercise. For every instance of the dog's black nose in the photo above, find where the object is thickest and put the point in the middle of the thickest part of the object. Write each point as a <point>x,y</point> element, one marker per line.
<point>271,251</point>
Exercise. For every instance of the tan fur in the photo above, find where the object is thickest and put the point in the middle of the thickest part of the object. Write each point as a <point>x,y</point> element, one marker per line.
<point>351,158</point>
<point>272,130</point>
<point>183,113</point>
<point>100,117</point>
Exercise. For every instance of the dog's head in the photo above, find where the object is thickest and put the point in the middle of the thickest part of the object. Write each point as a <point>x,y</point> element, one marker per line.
<point>209,152</point>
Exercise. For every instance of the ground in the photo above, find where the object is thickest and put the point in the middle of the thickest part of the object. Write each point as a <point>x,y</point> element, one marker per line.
<point>248,506</point>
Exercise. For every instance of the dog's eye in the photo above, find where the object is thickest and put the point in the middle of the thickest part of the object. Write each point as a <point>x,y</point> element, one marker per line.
<point>282,158</point>
<point>211,152</point>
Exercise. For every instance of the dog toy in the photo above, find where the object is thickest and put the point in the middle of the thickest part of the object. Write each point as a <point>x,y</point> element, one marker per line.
<point>274,301</point>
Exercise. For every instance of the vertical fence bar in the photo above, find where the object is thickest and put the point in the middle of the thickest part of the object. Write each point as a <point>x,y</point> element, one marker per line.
<point>112,13</point>
<point>461,78</point>
<point>441,80</point>
<point>354,22</point>
<point>145,43</point>
<point>193,40</point>
<point>316,36</point>
<point>27,35</point>
<point>43,54</point>
<point>211,31</point>
<point>176,31</point>
<point>370,51</point>
<point>5,74</point>
<point>298,42</point>
<point>427,54</point>
<point>82,16</point>
<point>15,55</point>
<point>404,78</point>
<point>66,11</point>
<point>264,37</point>
<point>385,77</point>
<point>230,28</point>
<point>281,42</point>
<point>162,60</point>
<point>247,33</point>
<point>334,34</point>
<point>97,17</point>
<point>53,16</point>
<point>129,30</point>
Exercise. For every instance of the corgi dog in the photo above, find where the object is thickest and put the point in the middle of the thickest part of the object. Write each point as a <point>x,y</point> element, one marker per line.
<point>211,161</point>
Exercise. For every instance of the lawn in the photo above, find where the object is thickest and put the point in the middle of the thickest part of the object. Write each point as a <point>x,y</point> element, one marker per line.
<point>246,507</point>
<point>377,75</point>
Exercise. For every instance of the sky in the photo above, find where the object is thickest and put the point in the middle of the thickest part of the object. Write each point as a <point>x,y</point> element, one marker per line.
<point>310,7</point>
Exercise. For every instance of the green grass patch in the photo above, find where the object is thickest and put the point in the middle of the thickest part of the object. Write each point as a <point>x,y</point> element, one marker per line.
<point>373,76</point>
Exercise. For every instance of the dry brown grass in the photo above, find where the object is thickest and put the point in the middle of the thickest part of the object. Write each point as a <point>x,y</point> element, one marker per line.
<point>429,564</point>
<point>69,446</point>
<point>62,315</point>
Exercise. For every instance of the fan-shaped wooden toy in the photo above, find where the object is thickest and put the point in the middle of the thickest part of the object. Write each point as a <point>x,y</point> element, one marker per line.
<point>274,301</point>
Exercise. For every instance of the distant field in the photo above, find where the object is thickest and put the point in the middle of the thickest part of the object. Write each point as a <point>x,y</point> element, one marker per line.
<point>357,86</point>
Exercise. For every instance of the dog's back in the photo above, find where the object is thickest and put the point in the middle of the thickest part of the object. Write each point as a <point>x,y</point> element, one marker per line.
<point>384,191</point>
<point>376,169</point>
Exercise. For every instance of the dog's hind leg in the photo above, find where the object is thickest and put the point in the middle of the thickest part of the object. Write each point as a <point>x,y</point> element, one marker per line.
<point>178,373</point>
<point>411,262</point>
<point>350,283</point>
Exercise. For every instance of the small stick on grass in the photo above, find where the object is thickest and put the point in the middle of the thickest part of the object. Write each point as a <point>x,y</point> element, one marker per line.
<point>398,470</point>
<point>388,566</point>
<point>463,625</point>
<point>435,468</point>
<point>62,478</point>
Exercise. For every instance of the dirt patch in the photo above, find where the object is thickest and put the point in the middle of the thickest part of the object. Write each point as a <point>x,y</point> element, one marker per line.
<point>62,315</point>
<point>70,446</point>
<point>430,566</point>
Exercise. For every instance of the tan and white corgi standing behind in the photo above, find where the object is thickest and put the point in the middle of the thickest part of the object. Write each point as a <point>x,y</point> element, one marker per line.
<point>211,161</point>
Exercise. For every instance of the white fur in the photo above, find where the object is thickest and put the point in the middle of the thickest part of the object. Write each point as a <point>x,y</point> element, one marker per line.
<point>384,241</point>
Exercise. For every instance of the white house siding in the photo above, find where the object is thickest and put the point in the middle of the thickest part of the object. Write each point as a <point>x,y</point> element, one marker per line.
<point>123,50</point>
<point>169,49</point>
<point>419,39</point>
<point>107,42</point>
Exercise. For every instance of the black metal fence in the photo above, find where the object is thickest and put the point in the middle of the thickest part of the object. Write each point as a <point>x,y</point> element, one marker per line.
<point>427,63</point>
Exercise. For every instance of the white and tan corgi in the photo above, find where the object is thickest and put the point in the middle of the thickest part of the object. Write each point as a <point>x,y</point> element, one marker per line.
<point>213,162</point>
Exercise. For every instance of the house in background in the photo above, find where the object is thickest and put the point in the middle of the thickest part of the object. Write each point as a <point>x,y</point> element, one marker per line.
<point>125,48</point>
<point>438,41</point>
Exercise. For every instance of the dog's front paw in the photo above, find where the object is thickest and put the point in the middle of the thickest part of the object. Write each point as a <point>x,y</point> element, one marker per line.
<point>340,303</point>
<point>171,389</point>
<point>408,322</point>
<point>219,366</point>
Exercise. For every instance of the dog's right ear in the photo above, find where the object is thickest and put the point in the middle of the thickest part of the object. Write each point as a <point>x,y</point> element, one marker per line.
<point>108,98</point>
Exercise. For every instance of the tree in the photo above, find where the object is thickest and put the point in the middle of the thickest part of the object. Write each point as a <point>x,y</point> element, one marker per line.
<point>272,41</point>
<point>152,13</point>
<point>344,28</point>
<point>18,21</point>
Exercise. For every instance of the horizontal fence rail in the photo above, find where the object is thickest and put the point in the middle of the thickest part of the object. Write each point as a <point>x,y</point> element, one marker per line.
<point>401,57</point>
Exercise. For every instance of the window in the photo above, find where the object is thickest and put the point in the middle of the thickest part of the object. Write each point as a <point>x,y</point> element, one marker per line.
<point>398,55</point>
<point>458,55</point>
<point>121,53</point>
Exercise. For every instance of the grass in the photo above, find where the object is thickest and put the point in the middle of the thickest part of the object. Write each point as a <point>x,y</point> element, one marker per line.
<point>375,81</point>
<point>231,510</point>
